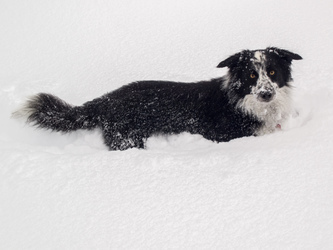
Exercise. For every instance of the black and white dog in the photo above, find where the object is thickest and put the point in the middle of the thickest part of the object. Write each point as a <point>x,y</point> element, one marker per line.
<point>252,99</point>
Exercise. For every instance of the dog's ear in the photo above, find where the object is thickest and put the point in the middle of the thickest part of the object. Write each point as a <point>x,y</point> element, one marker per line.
<point>284,54</point>
<point>230,61</point>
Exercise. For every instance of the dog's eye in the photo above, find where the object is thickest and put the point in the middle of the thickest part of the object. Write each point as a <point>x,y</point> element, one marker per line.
<point>252,75</point>
<point>272,72</point>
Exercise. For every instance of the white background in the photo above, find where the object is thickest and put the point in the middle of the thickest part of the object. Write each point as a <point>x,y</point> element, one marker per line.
<point>183,192</point>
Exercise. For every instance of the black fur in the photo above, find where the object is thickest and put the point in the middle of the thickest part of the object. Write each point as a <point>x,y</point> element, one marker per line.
<point>134,112</point>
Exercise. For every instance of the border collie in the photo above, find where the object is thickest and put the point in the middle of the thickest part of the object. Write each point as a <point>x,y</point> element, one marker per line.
<point>253,98</point>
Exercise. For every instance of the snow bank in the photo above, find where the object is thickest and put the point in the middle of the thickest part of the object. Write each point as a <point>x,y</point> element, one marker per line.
<point>184,192</point>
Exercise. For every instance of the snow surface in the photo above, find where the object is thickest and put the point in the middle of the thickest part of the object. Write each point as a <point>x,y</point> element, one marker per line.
<point>184,192</point>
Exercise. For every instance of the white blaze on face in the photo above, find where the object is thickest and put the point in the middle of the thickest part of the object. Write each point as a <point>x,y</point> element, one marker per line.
<point>264,83</point>
<point>259,56</point>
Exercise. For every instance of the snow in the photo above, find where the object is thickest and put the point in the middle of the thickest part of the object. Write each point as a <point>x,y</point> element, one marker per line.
<point>184,192</point>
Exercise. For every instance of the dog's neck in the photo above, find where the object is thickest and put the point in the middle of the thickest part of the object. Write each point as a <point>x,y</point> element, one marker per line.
<point>273,114</point>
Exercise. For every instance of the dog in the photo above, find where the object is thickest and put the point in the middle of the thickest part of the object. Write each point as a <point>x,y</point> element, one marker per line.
<point>252,99</point>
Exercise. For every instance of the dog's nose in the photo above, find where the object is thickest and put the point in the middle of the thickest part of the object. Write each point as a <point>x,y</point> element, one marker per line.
<point>265,96</point>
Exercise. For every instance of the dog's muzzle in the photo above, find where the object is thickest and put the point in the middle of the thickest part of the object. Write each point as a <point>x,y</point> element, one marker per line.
<point>266,93</point>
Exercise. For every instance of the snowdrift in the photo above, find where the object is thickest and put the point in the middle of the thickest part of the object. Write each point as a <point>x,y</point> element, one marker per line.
<point>183,192</point>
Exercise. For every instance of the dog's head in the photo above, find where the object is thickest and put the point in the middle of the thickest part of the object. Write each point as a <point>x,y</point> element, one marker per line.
<point>259,73</point>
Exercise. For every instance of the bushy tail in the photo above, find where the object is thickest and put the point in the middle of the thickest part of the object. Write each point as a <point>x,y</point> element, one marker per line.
<point>50,112</point>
